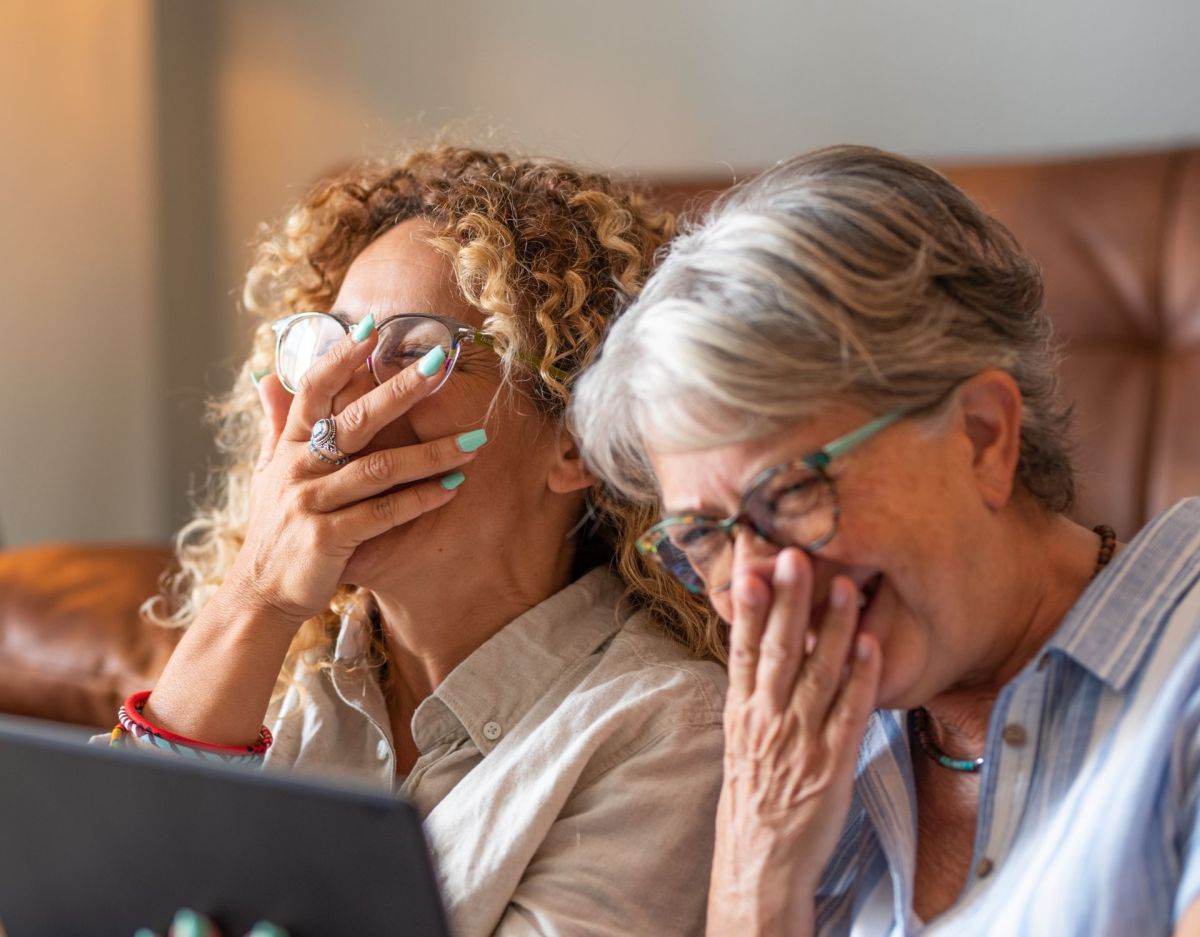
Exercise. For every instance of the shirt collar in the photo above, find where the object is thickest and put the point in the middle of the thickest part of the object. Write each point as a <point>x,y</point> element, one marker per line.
<point>489,692</point>
<point>354,635</point>
<point>1116,621</point>
<point>492,690</point>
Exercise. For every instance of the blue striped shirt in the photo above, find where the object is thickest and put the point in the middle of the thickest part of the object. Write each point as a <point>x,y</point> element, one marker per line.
<point>1087,820</point>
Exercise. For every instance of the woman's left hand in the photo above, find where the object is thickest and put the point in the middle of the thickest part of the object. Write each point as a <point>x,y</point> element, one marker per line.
<point>794,720</point>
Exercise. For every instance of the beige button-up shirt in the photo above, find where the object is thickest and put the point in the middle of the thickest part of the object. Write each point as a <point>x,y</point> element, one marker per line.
<point>568,771</point>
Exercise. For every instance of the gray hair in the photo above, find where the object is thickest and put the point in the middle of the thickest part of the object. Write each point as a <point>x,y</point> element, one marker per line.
<point>847,274</point>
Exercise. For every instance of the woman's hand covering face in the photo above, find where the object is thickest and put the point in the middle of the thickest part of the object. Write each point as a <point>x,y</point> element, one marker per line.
<point>801,686</point>
<point>308,516</point>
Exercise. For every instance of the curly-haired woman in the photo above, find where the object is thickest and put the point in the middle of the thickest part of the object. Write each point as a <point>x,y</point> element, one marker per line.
<point>409,575</point>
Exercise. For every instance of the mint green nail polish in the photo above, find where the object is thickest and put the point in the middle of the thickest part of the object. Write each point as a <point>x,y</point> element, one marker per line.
<point>187,923</point>
<point>267,929</point>
<point>453,480</point>
<point>363,329</point>
<point>144,932</point>
<point>469,442</point>
<point>257,376</point>
<point>434,358</point>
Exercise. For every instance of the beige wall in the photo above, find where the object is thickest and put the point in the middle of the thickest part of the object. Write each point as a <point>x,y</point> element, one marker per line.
<point>694,85</point>
<point>145,141</point>
<point>78,367</point>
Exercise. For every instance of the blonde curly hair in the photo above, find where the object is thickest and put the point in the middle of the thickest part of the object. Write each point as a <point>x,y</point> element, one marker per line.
<point>548,253</point>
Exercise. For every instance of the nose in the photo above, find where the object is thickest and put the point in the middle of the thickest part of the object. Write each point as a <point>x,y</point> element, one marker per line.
<point>752,553</point>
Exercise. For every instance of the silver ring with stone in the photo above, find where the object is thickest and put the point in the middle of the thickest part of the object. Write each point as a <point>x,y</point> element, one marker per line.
<point>323,442</point>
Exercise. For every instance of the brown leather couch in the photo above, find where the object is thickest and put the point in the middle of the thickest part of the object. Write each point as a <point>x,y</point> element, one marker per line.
<point>72,645</point>
<point>1119,242</point>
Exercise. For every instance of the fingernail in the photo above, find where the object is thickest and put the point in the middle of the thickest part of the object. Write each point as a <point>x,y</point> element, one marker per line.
<point>266,929</point>
<point>434,358</point>
<point>363,329</point>
<point>838,594</point>
<point>862,647</point>
<point>187,923</point>
<point>453,480</point>
<point>469,442</point>
<point>144,932</point>
<point>257,376</point>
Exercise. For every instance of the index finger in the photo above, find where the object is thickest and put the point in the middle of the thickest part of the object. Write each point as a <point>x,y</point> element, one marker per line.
<point>751,599</point>
<point>362,419</point>
<point>328,375</point>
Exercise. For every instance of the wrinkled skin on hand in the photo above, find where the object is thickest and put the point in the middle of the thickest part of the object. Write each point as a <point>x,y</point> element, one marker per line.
<point>802,685</point>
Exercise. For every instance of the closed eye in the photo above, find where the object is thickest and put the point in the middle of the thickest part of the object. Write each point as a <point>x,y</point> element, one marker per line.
<point>796,495</point>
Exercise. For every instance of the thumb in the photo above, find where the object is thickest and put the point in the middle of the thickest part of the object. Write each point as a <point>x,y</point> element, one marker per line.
<point>276,402</point>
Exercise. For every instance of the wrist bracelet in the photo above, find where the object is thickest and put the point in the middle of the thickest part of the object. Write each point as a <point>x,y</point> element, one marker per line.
<point>131,720</point>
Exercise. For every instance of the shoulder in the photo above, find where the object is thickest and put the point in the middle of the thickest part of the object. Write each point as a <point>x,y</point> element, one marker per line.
<point>637,696</point>
<point>654,669</point>
<point>613,654</point>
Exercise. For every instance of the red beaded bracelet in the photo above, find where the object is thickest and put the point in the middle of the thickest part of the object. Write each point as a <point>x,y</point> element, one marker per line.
<point>132,721</point>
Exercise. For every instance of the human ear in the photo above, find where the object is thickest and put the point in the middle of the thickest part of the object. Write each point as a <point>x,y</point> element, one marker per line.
<point>567,471</point>
<point>990,403</point>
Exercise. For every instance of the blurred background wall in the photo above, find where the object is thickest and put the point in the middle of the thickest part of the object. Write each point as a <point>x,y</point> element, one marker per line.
<point>144,142</point>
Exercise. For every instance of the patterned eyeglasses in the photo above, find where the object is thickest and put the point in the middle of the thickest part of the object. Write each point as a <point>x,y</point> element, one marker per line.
<point>794,504</point>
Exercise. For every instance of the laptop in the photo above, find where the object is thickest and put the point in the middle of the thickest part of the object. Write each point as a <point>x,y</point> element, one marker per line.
<point>97,841</point>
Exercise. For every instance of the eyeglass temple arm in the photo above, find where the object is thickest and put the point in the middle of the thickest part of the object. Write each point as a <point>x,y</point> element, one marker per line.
<point>484,339</point>
<point>844,444</point>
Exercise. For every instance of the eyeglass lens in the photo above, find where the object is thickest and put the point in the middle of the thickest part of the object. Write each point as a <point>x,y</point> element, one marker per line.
<point>305,340</point>
<point>402,341</point>
<point>796,507</point>
<point>406,340</point>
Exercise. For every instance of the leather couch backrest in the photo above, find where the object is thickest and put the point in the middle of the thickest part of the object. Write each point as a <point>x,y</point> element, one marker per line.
<point>1119,243</point>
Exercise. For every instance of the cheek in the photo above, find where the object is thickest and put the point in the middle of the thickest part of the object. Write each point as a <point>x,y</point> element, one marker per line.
<point>722,603</point>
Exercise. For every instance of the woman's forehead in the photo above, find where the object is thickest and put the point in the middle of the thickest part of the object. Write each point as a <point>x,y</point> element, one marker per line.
<point>713,480</point>
<point>399,273</point>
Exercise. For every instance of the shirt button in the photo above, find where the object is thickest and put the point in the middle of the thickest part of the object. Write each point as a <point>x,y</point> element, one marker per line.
<point>383,750</point>
<point>492,731</point>
<point>984,869</point>
<point>1014,735</point>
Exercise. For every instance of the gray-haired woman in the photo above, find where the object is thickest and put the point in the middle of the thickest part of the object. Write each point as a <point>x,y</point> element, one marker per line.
<point>951,709</point>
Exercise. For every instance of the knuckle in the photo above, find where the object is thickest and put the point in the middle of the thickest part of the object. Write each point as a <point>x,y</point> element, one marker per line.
<point>743,654</point>
<point>352,420</point>
<point>337,355</point>
<point>819,673</point>
<point>377,466</point>
<point>777,652</point>
<point>422,496</point>
<point>398,389</point>
<point>307,386</point>
<point>433,455</point>
<point>303,502</point>
<point>383,509</point>
<point>319,540</point>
